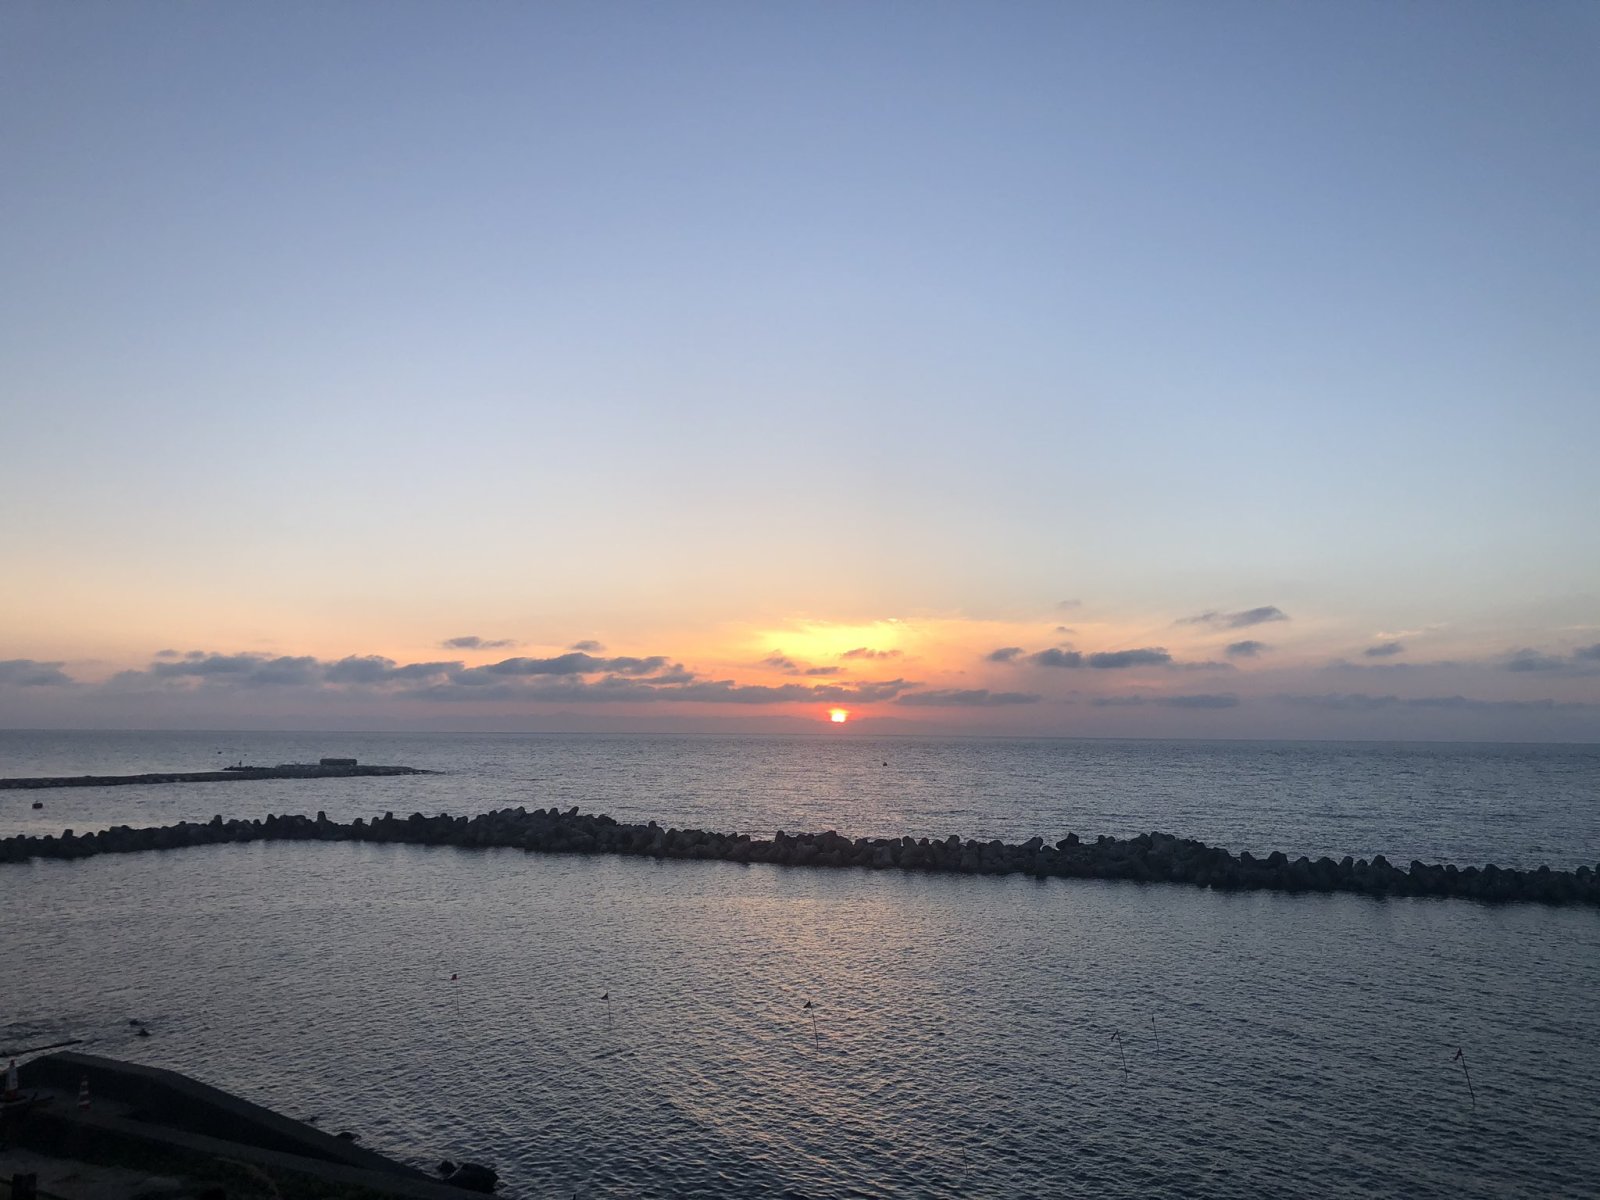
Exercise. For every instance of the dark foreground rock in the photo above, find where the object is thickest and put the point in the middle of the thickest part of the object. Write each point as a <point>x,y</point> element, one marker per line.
<point>475,1177</point>
<point>1148,858</point>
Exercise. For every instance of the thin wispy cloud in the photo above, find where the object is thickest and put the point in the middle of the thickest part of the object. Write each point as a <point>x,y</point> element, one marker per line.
<point>1005,654</point>
<point>575,663</point>
<point>1243,619</point>
<point>779,661</point>
<point>615,689</point>
<point>868,652</point>
<point>473,642</point>
<point>588,646</point>
<point>1105,660</point>
<point>1364,702</point>
<point>1246,649</point>
<point>1581,661</point>
<point>966,698</point>
<point>1384,650</point>
<point>1532,660</point>
<point>1115,660</point>
<point>1196,700</point>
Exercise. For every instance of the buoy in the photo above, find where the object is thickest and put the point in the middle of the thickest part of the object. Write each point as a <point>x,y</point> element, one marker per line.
<point>11,1081</point>
<point>83,1093</point>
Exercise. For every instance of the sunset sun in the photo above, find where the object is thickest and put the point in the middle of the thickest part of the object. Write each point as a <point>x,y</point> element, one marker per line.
<point>838,715</point>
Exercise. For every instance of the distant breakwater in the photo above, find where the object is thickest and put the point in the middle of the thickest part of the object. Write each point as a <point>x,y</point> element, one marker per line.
<point>287,771</point>
<point>1148,858</point>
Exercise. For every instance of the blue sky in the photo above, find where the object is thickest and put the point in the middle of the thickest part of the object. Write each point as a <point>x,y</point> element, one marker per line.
<point>714,332</point>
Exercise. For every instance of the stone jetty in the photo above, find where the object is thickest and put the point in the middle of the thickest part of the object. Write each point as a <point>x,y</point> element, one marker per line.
<point>1148,858</point>
<point>324,770</point>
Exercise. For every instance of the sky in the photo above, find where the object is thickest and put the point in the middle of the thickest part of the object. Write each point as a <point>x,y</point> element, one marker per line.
<point>1149,369</point>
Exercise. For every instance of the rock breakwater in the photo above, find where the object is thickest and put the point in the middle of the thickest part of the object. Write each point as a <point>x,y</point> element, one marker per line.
<point>1148,858</point>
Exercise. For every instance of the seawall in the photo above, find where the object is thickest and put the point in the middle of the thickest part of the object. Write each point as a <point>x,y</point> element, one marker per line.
<point>1148,858</point>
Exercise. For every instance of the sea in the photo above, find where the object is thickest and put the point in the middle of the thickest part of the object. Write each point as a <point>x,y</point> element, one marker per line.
<point>627,1027</point>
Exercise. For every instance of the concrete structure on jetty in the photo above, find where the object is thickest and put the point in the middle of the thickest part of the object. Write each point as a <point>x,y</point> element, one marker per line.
<point>1148,858</point>
<point>328,768</point>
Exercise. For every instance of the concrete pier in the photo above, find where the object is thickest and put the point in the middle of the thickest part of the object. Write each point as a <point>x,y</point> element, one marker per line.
<point>231,774</point>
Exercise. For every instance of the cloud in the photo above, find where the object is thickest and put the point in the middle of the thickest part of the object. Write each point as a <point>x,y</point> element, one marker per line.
<point>1056,658</point>
<point>28,672</point>
<point>246,670</point>
<point>1005,654</point>
<point>372,670</point>
<point>1578,662</point>
<point>868,652</point>
<point>1149,656</point>
<point>1200,700</point>
<point>1237,620</point>
<point>168,654</point>
<point>613,688</point>
<point>376,672</point>
<point>967,698</point>
<point>1066,605</point>
<point>1246,649</point>
<point>1065,629</point>
<point>575,663</point>
<point>1384,650</point>
<point>1362,702</point>
<point>473,642</point>
<point>1532,660</point>
<point>1152,656</point>
<point>1396,668</point>
<point>788,666</point>
<point>588,646</point>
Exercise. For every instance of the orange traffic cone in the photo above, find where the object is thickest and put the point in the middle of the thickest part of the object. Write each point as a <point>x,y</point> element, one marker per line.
<point>83,1093</point>
<point>11,1092</point>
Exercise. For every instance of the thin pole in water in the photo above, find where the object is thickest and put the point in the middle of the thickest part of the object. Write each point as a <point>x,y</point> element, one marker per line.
<point>1116,1036</point>
<point>1461,1058</point>
<point>606,996</point>
<point>815,1036</point>
<point>1153,1032</point>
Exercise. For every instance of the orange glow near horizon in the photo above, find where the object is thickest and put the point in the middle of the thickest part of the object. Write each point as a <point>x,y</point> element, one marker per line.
<point>838,715</point>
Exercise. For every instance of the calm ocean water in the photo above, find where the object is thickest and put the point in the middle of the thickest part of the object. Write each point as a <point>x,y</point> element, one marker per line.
<point>962,1047</point>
